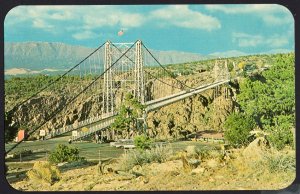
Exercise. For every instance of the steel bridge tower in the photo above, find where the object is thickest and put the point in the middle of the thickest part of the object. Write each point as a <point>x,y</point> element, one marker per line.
<point>108,97</point>
<point>221,70</point>
<point>139,73</point>
<point>128,71</point>
<point>221,73</point>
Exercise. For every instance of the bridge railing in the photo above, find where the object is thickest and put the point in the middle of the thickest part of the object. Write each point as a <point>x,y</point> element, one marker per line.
<point>93,129</point>
<point>78,125</point>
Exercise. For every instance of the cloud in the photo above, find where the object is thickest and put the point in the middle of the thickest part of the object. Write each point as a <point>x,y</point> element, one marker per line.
<point>248,40</point>
<point>83,21</point>
<point>43,12</point>
<point>182,16</point>
<point>46,18</point>
<point>270,14</point>
<point>273,20</point>
<point>38,23</point>
<point>245,9</point>
<point>277,41</point>
<point>79,20</point>
<point>84,35</point>
<point>106,18</point>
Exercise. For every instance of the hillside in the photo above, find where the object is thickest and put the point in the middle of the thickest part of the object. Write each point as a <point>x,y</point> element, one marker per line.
<point>193,114</point>
<point>244,162</point>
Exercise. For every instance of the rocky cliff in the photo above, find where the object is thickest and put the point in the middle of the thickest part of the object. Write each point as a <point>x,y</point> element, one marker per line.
<point>201,112</point>
<point>205,111</point>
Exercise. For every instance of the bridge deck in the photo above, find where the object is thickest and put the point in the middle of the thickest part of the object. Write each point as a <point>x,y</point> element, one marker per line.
<point>152,105</point>
<point>98,124</point>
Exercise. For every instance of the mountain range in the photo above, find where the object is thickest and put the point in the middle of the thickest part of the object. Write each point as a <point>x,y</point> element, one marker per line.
<point>49,57</point>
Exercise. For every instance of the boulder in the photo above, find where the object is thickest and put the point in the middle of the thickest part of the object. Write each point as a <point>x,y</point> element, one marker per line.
<point>198,170</point>
<point>256,149</point>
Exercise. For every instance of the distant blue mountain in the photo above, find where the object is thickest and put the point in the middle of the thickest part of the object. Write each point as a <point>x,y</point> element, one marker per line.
<point>36,57</point>
<point>54,57</point>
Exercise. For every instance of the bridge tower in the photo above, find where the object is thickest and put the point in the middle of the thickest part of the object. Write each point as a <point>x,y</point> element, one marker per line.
<point>221,73</point>
<point>221,70</point>
<point>139,73</point>
<point>128,72</point>
<point>108,97</point>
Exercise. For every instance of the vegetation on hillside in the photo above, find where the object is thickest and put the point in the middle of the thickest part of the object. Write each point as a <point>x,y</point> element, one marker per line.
<point>18,89</point>
<point>265,101</point>
<point>238,127</point>
<point>266,96</point>
<point>269,98</point>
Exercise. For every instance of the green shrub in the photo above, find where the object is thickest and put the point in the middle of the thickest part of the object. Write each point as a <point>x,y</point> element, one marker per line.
<point>63,153</point>
<point>11,130</point>
<point>22,152</point>
<point>207,152</point>
<point>140,157</point>
<point>238,127</point>
<point>280,162</point>
<point>44,172</point>
<point>142,142</point>
<point>280,137</point>
<point>160,153</point>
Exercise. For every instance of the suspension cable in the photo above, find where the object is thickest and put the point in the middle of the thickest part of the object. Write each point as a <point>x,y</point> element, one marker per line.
<point>156,78</point>
<point>60,77</point>
<point>166,69</point>
<point>60,109</point>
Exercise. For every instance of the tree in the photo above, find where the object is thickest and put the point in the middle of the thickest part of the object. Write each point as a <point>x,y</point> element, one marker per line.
<point>64,153</point>
<point>11,129</point>
<point>238,127</point>
<point>128,114</point>
<point>241,65</point>
<point>281,134</point>
<point>230,67</point>
<point>270,99</point>
<point>142,142</point>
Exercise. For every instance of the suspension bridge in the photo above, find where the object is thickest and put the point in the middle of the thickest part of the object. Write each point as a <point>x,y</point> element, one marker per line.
<point>114,70</point>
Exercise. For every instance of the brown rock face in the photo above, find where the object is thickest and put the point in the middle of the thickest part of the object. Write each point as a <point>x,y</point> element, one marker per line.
<point>197,113</point>
<point>207,110</point>
<point>34,112</point>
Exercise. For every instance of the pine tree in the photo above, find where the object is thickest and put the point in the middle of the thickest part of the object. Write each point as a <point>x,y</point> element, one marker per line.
<point>128,114</point>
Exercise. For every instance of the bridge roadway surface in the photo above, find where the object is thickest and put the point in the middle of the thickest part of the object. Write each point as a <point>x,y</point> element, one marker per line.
<point>99,123</point>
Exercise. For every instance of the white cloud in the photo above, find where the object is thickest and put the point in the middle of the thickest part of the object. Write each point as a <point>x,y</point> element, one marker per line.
<point>182,16</point>
<point>271,14</point>
<point>74,18</point>
<point>271,19</point>
<point>42,17</point>
<point>106,18</point>
<point>62,15</point>
<point>245,9</point>
<point>84,35</point>
<point>248,40</point>
<point>277,41</point>
<point>38,23</point>
<point>83,21</point>
<point>48,12</point>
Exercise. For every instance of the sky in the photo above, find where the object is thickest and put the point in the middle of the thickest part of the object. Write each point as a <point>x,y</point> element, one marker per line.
<point>202,29</point>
